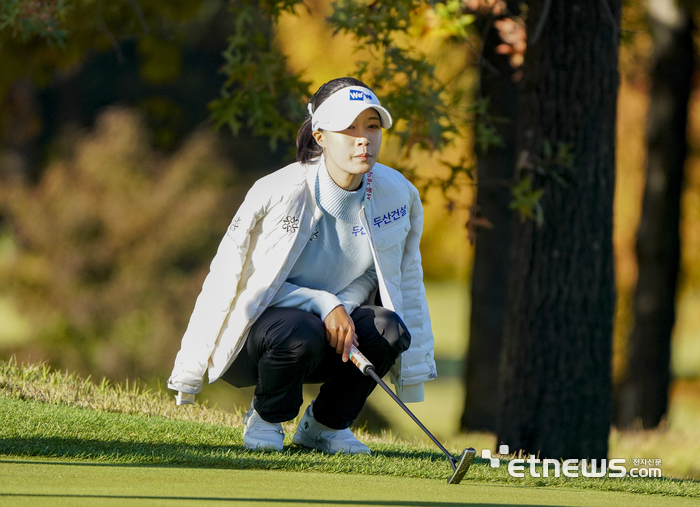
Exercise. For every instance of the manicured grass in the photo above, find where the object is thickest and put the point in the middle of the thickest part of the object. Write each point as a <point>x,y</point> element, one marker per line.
<point>85,483</point>
<point>677,443</point>
<point>37,429</point>
<point>47,414</point>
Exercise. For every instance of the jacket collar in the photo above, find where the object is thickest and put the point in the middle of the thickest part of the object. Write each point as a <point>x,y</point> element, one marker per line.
<point>311,176</point>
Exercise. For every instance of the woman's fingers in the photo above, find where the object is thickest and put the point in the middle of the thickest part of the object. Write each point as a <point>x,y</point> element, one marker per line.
<point>350,339</point>
<point>339,337</point>
<point>340,331</point>
<point>342,340</point>
<point>340,343</point>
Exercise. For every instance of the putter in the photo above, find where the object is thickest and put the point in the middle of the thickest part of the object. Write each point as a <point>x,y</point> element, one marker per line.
<point>459,466</point>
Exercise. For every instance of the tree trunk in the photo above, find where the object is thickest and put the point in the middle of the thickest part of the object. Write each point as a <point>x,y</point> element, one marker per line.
<point>556,369</point>
<point>643,394</point>
<point>495,168</point>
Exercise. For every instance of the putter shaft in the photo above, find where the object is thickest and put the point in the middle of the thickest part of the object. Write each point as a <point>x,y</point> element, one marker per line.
<point>370,371</point>
<point>459,467</point>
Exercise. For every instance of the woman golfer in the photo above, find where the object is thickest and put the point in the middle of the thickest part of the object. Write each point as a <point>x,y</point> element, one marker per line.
<point>321,255</point>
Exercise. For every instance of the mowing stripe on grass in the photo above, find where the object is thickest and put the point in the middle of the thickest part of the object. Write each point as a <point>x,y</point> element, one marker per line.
<point>80,483</point>
<point>32,428</point>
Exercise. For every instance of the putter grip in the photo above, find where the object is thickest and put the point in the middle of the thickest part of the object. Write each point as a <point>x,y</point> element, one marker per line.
<point>360,360</point>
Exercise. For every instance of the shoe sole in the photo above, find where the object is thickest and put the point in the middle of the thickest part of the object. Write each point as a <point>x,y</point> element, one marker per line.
<point>262,447</point>
<point>304,441</point>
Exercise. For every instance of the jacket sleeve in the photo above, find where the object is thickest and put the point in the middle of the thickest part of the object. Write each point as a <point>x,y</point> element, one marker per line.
<point>417,363</point>
<point>217,295</point>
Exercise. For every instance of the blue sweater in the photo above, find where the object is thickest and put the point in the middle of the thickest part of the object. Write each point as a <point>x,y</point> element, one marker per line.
<point>338,256</point>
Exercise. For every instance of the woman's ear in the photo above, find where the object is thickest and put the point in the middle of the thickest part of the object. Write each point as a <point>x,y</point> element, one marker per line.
<point>318,135</point>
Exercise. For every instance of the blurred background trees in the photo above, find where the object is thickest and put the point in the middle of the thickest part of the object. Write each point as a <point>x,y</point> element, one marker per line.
<point>114,186</point>
<point>642,396</point>
<point>107,106</point>
<point>109,243</point>
<point>498,85</point>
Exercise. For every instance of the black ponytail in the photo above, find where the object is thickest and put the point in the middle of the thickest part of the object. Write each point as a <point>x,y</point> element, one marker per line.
<point>307,147</point>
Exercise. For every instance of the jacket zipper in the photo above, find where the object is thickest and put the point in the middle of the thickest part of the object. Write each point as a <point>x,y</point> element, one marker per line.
<point>383,291</point>
<point>386,300</point>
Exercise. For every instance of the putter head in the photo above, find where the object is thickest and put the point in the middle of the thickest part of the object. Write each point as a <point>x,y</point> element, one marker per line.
<point>463,465</point>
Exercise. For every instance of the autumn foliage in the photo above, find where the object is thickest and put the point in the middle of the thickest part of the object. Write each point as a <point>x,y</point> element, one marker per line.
<point>109,245</point>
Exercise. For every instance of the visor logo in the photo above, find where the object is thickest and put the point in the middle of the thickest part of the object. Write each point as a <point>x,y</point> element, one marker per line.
<point>360,95</point>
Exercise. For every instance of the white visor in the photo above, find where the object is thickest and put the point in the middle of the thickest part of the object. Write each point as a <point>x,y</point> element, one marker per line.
<point>340,109</point>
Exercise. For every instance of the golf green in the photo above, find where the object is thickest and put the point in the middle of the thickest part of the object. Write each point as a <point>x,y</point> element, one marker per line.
<point>39,482</point>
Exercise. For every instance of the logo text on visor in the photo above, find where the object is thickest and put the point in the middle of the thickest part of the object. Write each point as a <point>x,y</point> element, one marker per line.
<point>340,109</point>
<point>360,95</point>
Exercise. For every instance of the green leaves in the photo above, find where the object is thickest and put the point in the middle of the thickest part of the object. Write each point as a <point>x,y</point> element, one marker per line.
<point>260,93</point>
<point>373,23</point>
<point>402,71</point>
<point>526,201</point>
<point>452,22</point>
<point>29,18</point>
<point>486,136</point>
<point>555,164</point>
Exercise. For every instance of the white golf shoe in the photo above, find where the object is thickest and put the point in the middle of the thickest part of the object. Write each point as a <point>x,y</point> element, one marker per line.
<point>260,434</point>
<point>311,433</point>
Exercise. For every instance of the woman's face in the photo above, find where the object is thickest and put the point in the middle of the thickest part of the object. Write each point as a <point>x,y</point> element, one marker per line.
<point>352,152</point>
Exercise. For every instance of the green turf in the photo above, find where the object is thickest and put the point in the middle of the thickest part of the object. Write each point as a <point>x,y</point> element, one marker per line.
<point>34,428</point>
<point>78,483</point>
<point>53,416</point>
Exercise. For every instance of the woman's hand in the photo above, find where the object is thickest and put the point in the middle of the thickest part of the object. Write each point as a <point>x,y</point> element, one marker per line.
<point>340,331</point>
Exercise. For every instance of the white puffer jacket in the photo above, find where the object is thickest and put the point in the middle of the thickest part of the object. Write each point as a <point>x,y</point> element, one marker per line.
<point>264,240</point>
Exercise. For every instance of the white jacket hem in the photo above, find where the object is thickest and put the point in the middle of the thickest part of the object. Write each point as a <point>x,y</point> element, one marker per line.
<point>411,394</point>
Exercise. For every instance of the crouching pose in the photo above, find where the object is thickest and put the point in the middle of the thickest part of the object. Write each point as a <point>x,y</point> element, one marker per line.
<point>321,255</point>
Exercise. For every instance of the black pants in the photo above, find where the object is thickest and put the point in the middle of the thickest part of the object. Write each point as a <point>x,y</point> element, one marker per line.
<point>287,347</point>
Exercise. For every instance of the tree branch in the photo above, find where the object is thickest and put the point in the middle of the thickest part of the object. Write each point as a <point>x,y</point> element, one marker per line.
<point>103,27</point>
<point>541,22</point>
<point>611,18</point>
<point>139,14</point>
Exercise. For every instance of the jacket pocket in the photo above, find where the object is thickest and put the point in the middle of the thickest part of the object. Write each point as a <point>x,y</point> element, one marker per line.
<point>390,243</point>
<point>388,237</point>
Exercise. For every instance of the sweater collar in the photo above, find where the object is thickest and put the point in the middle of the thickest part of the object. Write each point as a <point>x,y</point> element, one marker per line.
<point>336,201</point>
